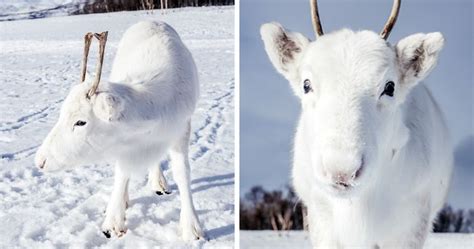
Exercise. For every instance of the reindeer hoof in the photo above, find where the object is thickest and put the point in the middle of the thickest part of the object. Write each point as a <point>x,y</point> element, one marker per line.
<point>107,234</point>
<point>159,193</point>
<point>121,233</point>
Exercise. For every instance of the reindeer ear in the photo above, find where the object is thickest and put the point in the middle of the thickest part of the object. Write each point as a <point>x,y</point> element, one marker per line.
<point>284,49</point>
<point>108,107</point>
<point>417,56</point>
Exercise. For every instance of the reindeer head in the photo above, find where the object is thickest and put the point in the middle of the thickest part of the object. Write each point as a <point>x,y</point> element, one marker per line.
<point>352,87</point>
<point>81,134</point>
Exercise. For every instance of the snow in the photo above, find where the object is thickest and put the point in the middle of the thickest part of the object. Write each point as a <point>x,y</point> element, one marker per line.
<point>30,9</point>
<point>300,239</point>
<point>40,60</point>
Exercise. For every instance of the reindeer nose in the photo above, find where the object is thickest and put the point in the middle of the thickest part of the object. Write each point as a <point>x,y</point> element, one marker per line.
<point>341,180</point>
<point>42,164</point>
<point>342,172</point>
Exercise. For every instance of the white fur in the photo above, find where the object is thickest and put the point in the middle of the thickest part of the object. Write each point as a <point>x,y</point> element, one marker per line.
<point>400,143</point>
<point>142,112</point>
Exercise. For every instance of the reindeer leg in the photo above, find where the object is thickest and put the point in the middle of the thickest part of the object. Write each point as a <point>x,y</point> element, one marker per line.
<point>115,213</point>
<point>126,197</point>
<point>157,181</point>
<point>190,225</point>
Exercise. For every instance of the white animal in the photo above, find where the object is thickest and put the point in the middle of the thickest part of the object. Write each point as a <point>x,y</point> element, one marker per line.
<point>143,112</point>
<point>372,157</point>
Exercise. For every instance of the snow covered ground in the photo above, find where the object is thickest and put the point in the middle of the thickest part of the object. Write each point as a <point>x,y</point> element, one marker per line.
<point>39,60</point>
<point>299,239</point>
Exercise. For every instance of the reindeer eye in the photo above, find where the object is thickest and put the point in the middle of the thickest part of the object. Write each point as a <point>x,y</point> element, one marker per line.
<point>307,86</point>
<point>80,123</point>
<point>388,89</point>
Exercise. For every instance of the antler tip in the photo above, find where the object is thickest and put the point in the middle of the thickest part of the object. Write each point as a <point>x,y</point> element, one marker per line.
<point>318,28</point>
<point>392,19</point>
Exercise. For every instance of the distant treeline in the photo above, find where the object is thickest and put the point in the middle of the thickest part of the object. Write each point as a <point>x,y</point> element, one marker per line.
<point>281,210</point>
<point>271,210</point>
<point>101,6</point>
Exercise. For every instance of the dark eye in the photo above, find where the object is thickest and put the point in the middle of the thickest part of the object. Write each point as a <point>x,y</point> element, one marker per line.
<point>80,123</point>
<point>307,86</point>
<point>388,89</point>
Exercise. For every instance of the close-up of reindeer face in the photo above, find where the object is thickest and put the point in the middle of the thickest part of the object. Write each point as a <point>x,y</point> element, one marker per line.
<point>81,133</point>
<point>352,86</point>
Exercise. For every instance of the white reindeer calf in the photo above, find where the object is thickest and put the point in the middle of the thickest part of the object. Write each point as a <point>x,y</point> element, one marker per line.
<point>372,159</point>
<point>143,112</point>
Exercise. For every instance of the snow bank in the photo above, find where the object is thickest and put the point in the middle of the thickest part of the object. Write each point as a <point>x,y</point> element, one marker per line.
<point>299,239</point>
<point>39,61</point>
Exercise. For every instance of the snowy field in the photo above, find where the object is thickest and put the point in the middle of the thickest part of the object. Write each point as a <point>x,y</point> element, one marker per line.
<point>300,240</point>
<point>39,61</point>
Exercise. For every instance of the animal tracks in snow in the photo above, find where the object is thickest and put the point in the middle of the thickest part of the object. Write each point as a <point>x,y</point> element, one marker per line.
<point>29,118</point>
<point>18,155</point>
<point>208,131</point>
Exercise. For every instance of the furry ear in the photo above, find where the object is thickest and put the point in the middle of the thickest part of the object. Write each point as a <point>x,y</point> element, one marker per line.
<point>284,49</point>
<point>417,56</point>
<point>108,107</point>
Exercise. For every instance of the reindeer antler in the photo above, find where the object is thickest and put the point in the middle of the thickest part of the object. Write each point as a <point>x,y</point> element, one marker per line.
<point>391,20</point>
<point>318,28</point>
<point>102,37</point>
<point>87,45</point>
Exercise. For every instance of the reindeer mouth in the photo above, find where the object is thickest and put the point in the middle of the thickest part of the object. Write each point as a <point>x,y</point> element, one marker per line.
<point>343,189</point>
<point>342,186</point>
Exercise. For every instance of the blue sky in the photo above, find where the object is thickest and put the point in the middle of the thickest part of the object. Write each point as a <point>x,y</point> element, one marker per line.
<point>269,110</point>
